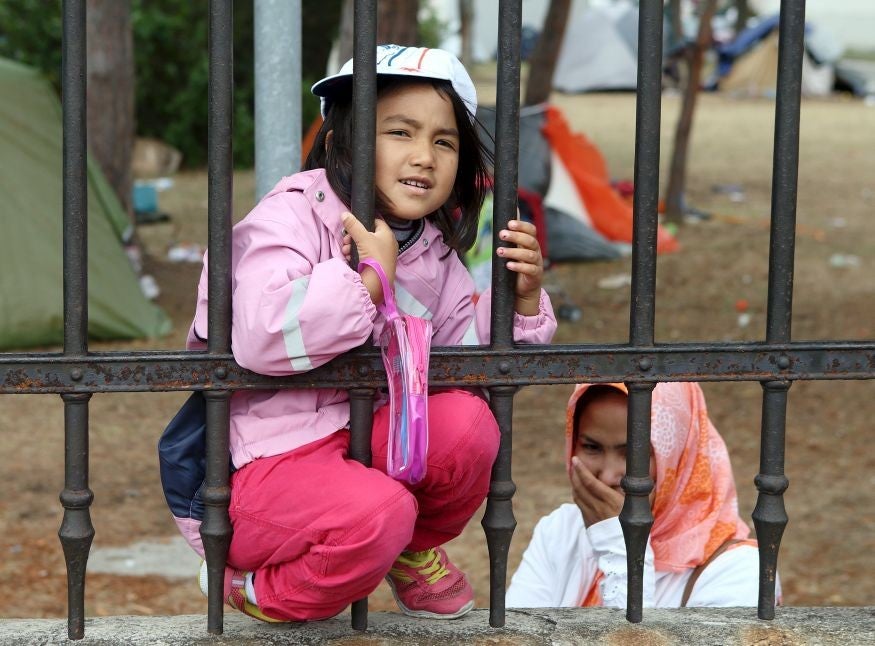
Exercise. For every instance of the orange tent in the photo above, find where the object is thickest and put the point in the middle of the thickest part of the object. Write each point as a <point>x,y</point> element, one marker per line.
<point>309,138</point>
<point>611,215</point>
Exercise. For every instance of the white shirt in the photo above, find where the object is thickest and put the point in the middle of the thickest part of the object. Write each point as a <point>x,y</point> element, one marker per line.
<point>564,556</point>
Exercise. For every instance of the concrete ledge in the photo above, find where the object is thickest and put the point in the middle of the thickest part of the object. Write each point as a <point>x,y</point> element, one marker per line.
<point>729,626</point>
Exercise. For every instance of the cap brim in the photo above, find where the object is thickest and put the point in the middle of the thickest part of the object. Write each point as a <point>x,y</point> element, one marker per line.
<point>330,85</point>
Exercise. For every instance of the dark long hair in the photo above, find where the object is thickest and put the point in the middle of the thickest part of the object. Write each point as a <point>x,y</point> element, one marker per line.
<point>592,393</point>
<point>457,219</point>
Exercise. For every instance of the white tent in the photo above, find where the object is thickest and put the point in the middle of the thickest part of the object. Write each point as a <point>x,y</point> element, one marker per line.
<point>852,22</point>
<point>756,73</point>
<point>484,32</point>
<point>600,50</point>
<point>749,64</point>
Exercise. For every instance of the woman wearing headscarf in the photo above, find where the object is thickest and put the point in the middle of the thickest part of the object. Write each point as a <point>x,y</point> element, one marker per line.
<point>698,553</point>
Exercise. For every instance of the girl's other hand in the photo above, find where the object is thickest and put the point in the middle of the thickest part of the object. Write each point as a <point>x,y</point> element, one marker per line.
<point>596,500</point>
<point>525,259</point>
<point>379,246</point>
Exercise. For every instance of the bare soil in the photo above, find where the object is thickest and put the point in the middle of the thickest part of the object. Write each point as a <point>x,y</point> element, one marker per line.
<point>827,547</point>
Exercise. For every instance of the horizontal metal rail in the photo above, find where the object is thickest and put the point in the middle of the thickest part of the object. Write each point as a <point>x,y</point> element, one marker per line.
<point>475,366</point>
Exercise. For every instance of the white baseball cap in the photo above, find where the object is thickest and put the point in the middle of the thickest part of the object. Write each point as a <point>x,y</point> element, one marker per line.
<point>397,60</point>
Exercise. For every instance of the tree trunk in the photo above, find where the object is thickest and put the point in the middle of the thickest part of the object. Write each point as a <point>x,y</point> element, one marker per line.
<point>543,62</point>
<point>111,117</point>
<point>466,24</point>
<point>396,23</point>
<point>673,70</point>
<point>677,27</point>
<point>744,14</point>
<point>674,201</point>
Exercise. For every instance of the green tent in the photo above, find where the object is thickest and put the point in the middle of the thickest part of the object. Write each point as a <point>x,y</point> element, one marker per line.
<point>31,242</point>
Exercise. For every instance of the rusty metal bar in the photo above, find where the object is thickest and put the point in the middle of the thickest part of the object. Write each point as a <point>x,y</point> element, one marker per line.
<point>498,521</point>
<point>216,527</point>
<point>220,174</point>
<point>364,98</point>
<point>506,161</point>
<point>76,531</point>
<point>75,180</point>
<point>361,421</point>
<point>636,517</point>
<point>471,366</point>
<point>785,170</point>
<point>769,515</point>
<point>648,110</point>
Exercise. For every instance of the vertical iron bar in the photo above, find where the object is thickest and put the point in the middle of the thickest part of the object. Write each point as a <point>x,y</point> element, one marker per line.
<point>646,175</point>
<point>506,160</point>
<point>216,527</point>
<point>361,406</point>
<point>769,516</point>
<point>498,520</point>
<point>219,168</point>
<point>76,531</point>
<point>75,180</point>
<point>785,170</point>
<point>361,421</point>
<point>364,99</point>
<point>636,517</point>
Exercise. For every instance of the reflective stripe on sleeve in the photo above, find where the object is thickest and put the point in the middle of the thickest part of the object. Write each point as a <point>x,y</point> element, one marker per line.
<point>292,327</point>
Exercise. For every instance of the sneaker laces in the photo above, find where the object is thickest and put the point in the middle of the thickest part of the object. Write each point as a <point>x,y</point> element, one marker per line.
<point>426,563</point>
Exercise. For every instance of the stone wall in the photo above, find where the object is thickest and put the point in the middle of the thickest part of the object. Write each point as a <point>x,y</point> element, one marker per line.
<point>711,626</point>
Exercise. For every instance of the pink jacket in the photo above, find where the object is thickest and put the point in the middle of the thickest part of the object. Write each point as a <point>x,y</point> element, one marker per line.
<point>297,304</point>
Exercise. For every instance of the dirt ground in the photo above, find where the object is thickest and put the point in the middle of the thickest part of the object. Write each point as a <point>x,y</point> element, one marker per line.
<point>827,547</point>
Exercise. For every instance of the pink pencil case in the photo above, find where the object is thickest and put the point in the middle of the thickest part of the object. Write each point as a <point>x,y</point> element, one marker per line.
<point>404,345</point>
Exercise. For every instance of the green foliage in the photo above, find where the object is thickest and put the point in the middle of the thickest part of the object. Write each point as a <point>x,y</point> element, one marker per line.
<point>30,33</point>
<point>431,29</point>
<point>172,66</point>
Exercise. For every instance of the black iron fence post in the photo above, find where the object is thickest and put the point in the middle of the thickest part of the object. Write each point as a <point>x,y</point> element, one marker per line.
<point>76,531</point>
<point>364,96</point>
<point>636,517</point>
<point>498,520</point>
<point>769,515</point>
<point>216,527</point>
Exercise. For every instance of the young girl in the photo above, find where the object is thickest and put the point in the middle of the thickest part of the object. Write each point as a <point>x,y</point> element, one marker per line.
<point>698,553</point>
<point>313,529</point>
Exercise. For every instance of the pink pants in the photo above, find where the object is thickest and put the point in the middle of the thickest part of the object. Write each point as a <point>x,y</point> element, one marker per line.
<point>321,531</point>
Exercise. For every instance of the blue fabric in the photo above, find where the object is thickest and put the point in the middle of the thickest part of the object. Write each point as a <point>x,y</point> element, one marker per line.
<point>182,457</point>
<point>749,37</point>
<point>744,42</point>
<point>145,198</point>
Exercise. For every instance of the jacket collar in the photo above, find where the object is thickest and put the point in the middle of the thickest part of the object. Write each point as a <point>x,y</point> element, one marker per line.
<point>315,187</point>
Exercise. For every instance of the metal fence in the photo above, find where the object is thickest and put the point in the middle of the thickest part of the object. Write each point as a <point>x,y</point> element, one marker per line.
<point>501,367</point>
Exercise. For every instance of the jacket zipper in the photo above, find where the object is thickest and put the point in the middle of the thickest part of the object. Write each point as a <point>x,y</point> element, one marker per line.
<point>413,238</point>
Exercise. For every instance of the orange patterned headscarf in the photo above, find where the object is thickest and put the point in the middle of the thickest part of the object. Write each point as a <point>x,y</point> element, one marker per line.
<point>696,508</point>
